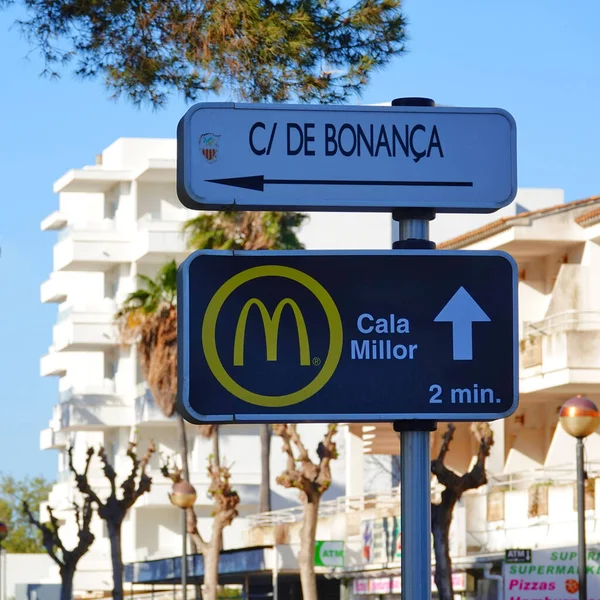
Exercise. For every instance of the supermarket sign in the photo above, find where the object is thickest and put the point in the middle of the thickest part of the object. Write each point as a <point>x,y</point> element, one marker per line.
<point>392,585</point>
<point>552,575</point>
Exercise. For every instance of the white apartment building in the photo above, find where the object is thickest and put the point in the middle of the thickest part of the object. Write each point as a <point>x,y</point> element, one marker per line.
<point>121,218</point>
<point>118,219</point>
<point>530,499</point>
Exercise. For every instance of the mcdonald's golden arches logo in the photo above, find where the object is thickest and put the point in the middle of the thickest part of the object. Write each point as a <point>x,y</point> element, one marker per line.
<point>271,325</point>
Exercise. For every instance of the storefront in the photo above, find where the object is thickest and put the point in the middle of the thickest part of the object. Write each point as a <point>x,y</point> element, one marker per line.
<point>389,587</point>
<point>247,570</point>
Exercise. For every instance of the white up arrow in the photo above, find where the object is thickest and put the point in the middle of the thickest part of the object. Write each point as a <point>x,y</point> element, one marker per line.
<point>462,311</point>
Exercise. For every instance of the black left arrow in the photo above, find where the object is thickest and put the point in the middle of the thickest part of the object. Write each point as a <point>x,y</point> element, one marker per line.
<point>258,182</point>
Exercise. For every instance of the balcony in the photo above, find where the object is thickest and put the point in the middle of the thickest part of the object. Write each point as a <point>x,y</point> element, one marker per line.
<point>53,364</point>
<point>157,170</point>
<point>146,411</point>
<point>561,352</point>
<point>86,327</point>
<point>90,180</point>
<point>54,221</point>
<point>91,409</point>
<point>158,241</point>
<point>53,440</point>
<point>53,290</point>
<point>91,247</point>
<point>531,510</point>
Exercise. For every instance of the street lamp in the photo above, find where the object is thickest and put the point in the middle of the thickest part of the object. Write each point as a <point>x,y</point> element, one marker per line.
<point>579,417</point>
<point>183,495</point>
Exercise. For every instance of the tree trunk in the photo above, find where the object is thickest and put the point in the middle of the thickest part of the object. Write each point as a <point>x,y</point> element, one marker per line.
<point>265,468</point>
<point>114,533</point>
<point>306,556</point>
<point>66,582</point>
<point>441,518</point>
<point>216,451</point>
<point>183,447</point>
<point>211,569</point>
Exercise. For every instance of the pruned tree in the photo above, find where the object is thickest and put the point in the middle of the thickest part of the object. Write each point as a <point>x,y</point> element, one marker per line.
<point>113,509</point>
<point>454,487</point>
<point>225,500</point>
<point>248,230</point>
<point>312,480</point>
<point>65,559</point>
<point>148,319</point>
<point>257,50</point>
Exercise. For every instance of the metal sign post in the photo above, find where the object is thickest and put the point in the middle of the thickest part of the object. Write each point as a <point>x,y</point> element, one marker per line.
<point>415,459</point>
<point>415,453</point>
<point>410,336</point>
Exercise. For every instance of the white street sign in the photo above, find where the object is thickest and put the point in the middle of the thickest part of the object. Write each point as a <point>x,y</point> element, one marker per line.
<point>359,158</point>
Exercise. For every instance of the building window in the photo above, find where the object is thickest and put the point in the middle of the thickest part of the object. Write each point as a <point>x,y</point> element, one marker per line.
<point>538,500</point>
<point>495,506</point>
<point>111,365</point>
<point>111,283</point>
<point>590,494</point>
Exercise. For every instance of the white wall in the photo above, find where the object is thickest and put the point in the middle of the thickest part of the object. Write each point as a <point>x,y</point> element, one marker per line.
<point>22,568</point>
<point>343,231</point>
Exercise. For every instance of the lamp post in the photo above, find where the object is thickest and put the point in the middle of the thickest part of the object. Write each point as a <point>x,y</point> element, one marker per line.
<point>579,417</point>
<point>183,495</point>
<point>3,534</point>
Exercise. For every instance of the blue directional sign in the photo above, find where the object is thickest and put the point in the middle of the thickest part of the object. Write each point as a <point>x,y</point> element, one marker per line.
<point>347,336</point>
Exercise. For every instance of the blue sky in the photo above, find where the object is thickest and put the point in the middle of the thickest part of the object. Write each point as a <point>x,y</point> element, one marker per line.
<point>537,59</point>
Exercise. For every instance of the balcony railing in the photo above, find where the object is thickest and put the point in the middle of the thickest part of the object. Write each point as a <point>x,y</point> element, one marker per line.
<point>103,307</point>
<point>146,410</point>
<point>106,388</point>
<point>569,320</point>
<point>374,501</point>
<point>92,226</point>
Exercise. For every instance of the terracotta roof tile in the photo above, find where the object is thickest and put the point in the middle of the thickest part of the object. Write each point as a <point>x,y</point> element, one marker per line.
<point>588,218</point>
<point>506,222</point>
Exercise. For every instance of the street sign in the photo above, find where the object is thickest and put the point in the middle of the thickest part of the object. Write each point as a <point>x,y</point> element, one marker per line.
<point>515,555</point>
<point>347,336</point>
<point>359,158</point>
<point>329,554</point>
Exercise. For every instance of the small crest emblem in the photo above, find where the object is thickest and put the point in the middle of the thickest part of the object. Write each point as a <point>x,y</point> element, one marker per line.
<point>209,146</point>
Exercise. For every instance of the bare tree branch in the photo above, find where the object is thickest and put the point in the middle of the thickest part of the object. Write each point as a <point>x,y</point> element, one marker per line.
<point>455,485</point>
<point>81,478</point>
<point>49,536</point>
<point>108,470</point>
<point>445,476</point>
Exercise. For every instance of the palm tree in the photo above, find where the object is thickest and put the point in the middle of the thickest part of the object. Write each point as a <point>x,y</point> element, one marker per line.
<point>266,230</point>
<point>148,318</point>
